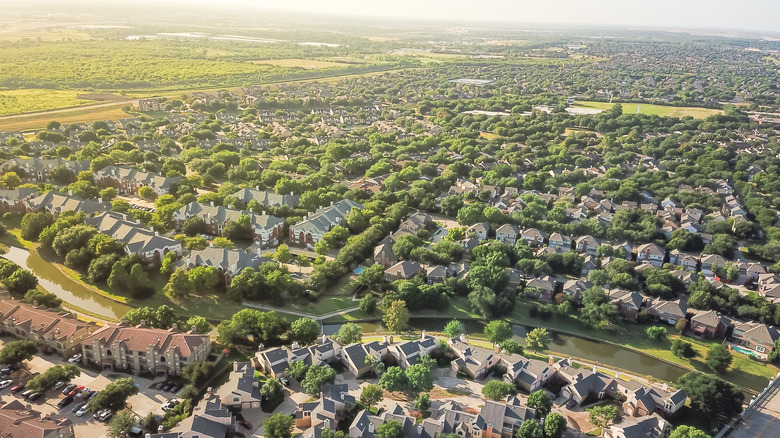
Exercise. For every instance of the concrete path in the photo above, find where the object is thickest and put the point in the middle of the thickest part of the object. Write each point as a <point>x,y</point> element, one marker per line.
<point>301,314</point>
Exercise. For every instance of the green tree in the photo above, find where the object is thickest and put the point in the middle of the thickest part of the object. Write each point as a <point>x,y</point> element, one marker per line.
<point>371,395</point>
<point>45,381</point>
<point>537,339</point>
<point>316,377</point>
<point>304,330</point>
<point>529,429</point>
<point>20,281</point>
<point>656,333</point>
<point>193,226</point>
<point>396,316</point>
<point>711,397</point>
<point>43,298</point>
<point>120,424</point>
<point>419,378</point>
<point>687,432</point>
<point>390,429</point>
<point>10,180</point>
<point>146,192</point>
<point>453,329</point>
<point>372,276</point>
<point>497,390</point>
<point>198,373</point>
<point>108,194</point>
<point>393,380</point>
<point>179,284</point>
<point>282,254</point>
<point>554,425</point>
<point>350,333</point>
<point>497,331</point>
<point>278,426</point>
<point>719,358</point>
<point>272,391</point>
<point>199,324</point>
<point>601,416</point>
<point>368,304</point>
<point>166,265</point>
<point>15,352</point>
<point>423,402</point>
<point>114,396</point>
<point>204,278</point>
<point>681,348</point>
<point>541,402</point>
<point>298,370</point>
<point>33,223</point>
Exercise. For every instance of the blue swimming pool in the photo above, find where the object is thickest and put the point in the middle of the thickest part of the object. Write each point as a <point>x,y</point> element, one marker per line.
<point>744,350</point>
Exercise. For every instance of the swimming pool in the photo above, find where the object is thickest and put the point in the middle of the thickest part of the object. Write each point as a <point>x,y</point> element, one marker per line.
<point>744,350</point>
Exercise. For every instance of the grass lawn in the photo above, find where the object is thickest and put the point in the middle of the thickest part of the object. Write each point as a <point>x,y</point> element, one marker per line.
<point>301,63</point>
<point>34,99</point>
<point>322,306</point>
<point>660,110</point>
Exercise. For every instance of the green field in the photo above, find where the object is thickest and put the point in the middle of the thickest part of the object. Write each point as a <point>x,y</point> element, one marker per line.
<point>659,110</point>
<point>75,115</point>
<point>37,99</point>
<point>300,63</point>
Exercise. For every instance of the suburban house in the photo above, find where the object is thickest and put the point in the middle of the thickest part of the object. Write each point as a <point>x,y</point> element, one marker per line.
<point>326,412</point>
<point>532,235</point>
<point>229,262</point>
<point>40,169</point>
<point>276,360</point>
<point>574,287</point>
<point>310,230</point>
<point>265,229</point>
<point>128,180</point>
<point>402,271</point>
<point>754,336</point>
<point>146,243</point>
<point>629,303</point>
<point>209,419</point>
<point>498,419</point>
<point>710,261</point>
<point>141,349</point>
<point>710,324</point>
<point>266,198</point>
<point>684,259</point>
<point>56,203</point>
<point>384,255</point>
<point>19,420</point>
<point>529,374</point>
<point>407,353</point>
<point>507,233</point>
<point>16,200</point>
<point>60,332</point>
<point>560,242</point>
<point>644,400</point>
<point>667,311</point>
<point>650,253</point>
<point>587,245</point>
<point>545,286</point>
<point>366,424</point>
<point>475,362</point>
<point>479,230</point>
<point>630,427</point>
<point>242,390</point>
<point>355,356</point>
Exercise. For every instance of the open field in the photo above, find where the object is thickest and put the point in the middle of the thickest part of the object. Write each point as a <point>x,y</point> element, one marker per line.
<point>44,34</point>
<point>299,63</point>
<point>75,115</point>
<point>38,99</point>
<point>659,110</point>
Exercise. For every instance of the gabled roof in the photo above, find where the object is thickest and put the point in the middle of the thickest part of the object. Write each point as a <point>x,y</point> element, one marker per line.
<point>267,198</point>
<point>140,337</point>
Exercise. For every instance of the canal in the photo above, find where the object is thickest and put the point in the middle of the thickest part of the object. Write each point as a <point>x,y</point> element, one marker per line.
<point>606,354</point>
<point>71,292</point>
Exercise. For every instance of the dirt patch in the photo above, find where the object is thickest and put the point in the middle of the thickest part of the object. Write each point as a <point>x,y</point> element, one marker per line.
<point>102,97</point>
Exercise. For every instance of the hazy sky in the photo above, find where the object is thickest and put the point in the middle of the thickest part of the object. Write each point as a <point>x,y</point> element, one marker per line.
<point>729,14</point>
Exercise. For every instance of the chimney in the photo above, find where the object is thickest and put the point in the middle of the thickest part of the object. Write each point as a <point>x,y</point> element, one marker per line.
<point>257,188</point>
<point>160,429</point>
<point>100,200</point>
<point>174,326</point>
<point>324,338</point>
<point>384,339</point>
<point>595,369</point>
<point>70,192</point>
<point>390,339</point>
<point>211,203</point>
<point>331,203</point>
<point>419,430</point>
<point>370,427</point>
<point>295,345</point>
<point>462,337</point>
<point>235,365</point>
<point>423,335</point>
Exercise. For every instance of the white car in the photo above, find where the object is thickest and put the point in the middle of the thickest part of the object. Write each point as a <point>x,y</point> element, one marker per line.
<point>170,404</point>
<point>82,410</point>
<point>6,383</point>
<point>76,358</point>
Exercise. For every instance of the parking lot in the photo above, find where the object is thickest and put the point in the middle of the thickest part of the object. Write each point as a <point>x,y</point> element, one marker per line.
<point>146,401</point>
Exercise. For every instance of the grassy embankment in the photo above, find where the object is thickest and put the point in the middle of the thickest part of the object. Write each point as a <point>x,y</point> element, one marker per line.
<point>659,110</point>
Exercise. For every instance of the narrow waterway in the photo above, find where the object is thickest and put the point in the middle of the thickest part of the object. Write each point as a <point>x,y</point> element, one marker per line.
<point>58,283</point>
<point>607,354</point>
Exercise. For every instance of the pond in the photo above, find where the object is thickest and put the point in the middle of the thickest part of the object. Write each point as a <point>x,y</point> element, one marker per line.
<point>604,353</point>
<point>70,291</point>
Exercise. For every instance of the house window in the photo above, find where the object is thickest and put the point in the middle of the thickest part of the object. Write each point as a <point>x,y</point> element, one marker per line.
<point>760,349</point>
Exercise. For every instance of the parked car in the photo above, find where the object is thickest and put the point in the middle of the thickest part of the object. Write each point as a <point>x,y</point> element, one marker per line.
<point>17,388</point>
<point>91,396</point>
<point>59,385</point>
<point>5,371</point>
<point>26,393</point>
<point>104,415</point>
<point>167,387</point>
<point>34,396</point>
<point>85,394</point>
<point>76,358</point>
<point>76,390</point>
<point>170,404</point>
<point>78,406</point>
<point>6,383</point>
<point>68,389</point>
<point>245,424</point>
<point>284,381</point>
<point>82,410</point>
<point>65,402</point>
<point>160,385</point>
<point>176,388</point>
